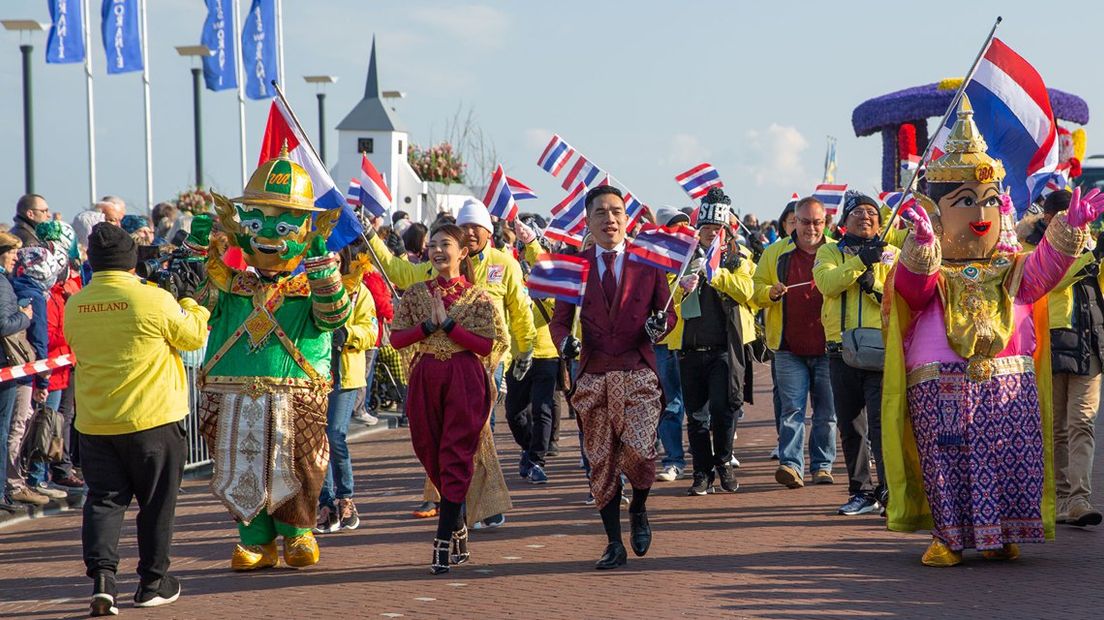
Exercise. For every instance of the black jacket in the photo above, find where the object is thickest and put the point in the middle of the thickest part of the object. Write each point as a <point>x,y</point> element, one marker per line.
<point>1071,349</point>
<point>12,320</point>
<point>25,230</point>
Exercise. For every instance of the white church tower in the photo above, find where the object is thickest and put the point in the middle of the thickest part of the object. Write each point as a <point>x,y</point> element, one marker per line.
<point>373,128</point>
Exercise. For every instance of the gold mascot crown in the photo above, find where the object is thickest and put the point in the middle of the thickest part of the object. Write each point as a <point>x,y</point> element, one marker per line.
<point>965,158</point>
<point>280,182</point>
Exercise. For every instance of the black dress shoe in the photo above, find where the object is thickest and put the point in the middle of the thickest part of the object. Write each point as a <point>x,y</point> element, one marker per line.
<point>641,537</point>
<point>613,557</point>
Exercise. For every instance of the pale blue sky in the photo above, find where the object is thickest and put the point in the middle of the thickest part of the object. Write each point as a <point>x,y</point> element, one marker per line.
<point>645,89</point>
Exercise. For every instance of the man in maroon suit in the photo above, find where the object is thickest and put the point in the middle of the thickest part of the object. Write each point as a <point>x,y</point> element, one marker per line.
<point>617,394</point>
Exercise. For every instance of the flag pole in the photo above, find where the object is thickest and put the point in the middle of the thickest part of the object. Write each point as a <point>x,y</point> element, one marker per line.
<point>946,115</point>
<point>146,97</point>
<point>86,28</point>
<point>280,46</point>
<point>306,141</point>
<point>240,75</point>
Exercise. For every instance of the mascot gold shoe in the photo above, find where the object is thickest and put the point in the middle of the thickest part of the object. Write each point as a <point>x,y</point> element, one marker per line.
<point>254,557</point>
<point>940,555</point>
<point>300,551</point>
<point>1008,552</point>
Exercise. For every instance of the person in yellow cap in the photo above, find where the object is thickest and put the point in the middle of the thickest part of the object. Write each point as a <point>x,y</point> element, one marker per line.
<point>266,375</point>
<point>966,416</point>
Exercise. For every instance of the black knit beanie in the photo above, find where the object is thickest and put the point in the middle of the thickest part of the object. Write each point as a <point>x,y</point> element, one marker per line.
<point>110,248</point>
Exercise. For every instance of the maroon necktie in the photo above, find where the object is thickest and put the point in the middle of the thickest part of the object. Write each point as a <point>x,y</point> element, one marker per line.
<point>609,279</point>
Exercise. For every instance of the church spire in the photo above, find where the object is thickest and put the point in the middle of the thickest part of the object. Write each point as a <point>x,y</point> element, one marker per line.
<point>371,87</point>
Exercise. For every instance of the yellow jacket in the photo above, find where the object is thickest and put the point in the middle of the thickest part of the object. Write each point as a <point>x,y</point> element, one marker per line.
<point>766,276</point>
<point>496,272</point>
<point>127,337</point>
<point>673,339</point>
<point>739,286</point>
<point>836,274</point>
<point>362,328</point>
<point>543,347</point>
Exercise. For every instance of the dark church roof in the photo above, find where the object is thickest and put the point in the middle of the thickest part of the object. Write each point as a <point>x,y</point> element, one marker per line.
<point>372,114</point>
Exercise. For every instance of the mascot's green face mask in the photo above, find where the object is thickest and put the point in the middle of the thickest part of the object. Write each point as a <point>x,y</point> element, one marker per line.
<point>272,238</point>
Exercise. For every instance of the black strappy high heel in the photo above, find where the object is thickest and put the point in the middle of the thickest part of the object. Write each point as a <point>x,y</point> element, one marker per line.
<point>460,553</point>
<point>440,557</point>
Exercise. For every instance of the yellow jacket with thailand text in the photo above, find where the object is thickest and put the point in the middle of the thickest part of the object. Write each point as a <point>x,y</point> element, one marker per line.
<point>496,272</point>
<point>127,337</point>
<point>836,273</point>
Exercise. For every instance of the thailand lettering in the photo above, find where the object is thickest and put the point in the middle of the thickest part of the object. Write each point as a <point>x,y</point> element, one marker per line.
<point>109,306</point>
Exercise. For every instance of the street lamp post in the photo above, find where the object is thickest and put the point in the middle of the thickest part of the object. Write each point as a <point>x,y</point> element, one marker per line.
<point>321,80</point>
<point>197,51</point>
<point>26,26</point>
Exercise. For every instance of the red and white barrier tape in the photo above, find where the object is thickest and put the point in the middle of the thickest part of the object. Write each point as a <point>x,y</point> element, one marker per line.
<point>35,367</point>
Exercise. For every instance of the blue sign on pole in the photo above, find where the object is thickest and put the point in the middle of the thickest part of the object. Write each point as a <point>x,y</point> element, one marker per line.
<point>65,43</point>
<point>122,41</point>
<point>219,70</point>
<point>259,49</point>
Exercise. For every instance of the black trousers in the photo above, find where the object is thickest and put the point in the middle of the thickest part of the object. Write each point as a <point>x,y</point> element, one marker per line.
<point>530,404</point>
<point>705,382</point>
<point>146,465</point>
<point>857,395</point>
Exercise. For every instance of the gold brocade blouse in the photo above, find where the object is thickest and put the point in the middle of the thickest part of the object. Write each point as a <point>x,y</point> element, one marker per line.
<point>978,300</point>
<point>473,311</point>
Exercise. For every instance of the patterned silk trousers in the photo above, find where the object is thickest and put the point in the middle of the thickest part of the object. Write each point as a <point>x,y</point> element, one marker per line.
<point>618,412</point>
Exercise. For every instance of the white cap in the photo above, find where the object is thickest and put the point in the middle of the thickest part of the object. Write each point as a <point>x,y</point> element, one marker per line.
<point>474,212</point>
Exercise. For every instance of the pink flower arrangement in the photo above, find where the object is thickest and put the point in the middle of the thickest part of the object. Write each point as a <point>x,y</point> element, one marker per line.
<point>439,163</point>
<point>195,200</point>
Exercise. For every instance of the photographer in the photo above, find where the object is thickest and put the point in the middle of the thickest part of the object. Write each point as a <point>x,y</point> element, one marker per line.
<point>132,398</point>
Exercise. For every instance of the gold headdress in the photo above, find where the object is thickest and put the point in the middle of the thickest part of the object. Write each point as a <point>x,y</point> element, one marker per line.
<point>965,156</point>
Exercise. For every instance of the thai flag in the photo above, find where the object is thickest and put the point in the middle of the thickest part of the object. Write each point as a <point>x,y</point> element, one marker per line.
<point>559,276</point>
<point>697,180</point>
<point>281,128</point>
<point>633,208</point>
<point>1012,111</point>
<point>569,218</point>
<point>520,190</point>
<point>892,199</point>
<point>665,248</point>
<point>368,190</point>
<point>605,181</point>
<point>830,196</point>
<point>499,199</point>
<point>712,260</point>
<point>555,155</point>
<point>583,171</point>
<point>1058,180</point>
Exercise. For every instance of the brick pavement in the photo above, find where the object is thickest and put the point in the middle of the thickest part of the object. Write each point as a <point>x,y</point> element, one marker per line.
<point>765,552</point>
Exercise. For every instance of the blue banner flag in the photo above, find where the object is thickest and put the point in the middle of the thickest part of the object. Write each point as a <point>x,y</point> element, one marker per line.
<point>219,70</point>
<point>122,41</point>
<point>259,49</point>
<point>65,43</point>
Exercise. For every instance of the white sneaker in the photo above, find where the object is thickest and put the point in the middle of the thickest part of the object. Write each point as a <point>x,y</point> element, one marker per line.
<point>367,418</point>
<point>734,462</point>
<point>42,489</point>
<point>669,473</point>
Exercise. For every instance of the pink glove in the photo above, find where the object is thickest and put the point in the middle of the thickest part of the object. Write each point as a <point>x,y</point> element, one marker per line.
<point>689,283</point>
<point>525,234</point>
<point>921,224</point>
<point>1084,210</point>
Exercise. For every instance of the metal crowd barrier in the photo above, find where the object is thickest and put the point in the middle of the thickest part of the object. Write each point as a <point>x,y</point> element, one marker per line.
<point>197,447</point>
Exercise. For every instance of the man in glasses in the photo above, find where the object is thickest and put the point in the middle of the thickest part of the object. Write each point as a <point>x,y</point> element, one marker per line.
<point>29,212</point>
<point>784,288</point>
<point>850,274</point>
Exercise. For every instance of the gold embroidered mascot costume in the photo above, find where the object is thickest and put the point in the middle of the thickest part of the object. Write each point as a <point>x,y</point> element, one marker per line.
<point>267,371</point>
<point>966,400</point>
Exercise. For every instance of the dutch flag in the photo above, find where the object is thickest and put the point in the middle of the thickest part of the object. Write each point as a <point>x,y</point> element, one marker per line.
<point>669,249</point>
<point>697,181</point>
<point>555,155</point>
<point>830,196</point>
<point>369,191</point>
<point>1012,111</point>
<point>558,276</point>
<point>280,129</point>
<point>499,199</point>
